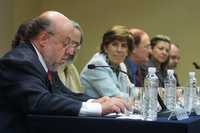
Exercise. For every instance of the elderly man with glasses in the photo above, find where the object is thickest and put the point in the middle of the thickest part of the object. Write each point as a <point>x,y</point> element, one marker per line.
<point>29,79</point>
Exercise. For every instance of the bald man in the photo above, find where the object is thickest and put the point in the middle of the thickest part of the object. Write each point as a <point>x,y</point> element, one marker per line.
<point>138,56</point>
<point>29,81</point>
<point>174,56</point>
<point>174,59</point>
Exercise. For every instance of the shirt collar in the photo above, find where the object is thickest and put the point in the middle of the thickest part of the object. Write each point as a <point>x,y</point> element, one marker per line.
<point>41,59</point>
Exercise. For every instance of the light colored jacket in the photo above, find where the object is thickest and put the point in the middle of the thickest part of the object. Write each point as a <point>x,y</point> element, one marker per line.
<point>69,75</point>
<point>102,81</point>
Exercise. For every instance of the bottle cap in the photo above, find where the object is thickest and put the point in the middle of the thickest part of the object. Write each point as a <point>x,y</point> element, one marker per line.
<point>151,70</point>
<point>170,71</point>
<point>191,74</point>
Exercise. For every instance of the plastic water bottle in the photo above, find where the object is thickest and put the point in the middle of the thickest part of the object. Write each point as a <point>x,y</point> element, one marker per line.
<point>150,95</point>
<point>190,93</point>
<point>170,89</point>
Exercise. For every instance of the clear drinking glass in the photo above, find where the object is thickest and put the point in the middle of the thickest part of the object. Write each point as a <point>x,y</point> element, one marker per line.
<point>130,92</point>
<point>137,101</point>
<point>197,101</point>
<point>180,96</point>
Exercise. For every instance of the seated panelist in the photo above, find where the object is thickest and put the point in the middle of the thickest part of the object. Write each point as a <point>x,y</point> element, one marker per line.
<point>29,82</point>
<point>108,76</point>
<point>68,72</point>
<point>138,56</point>
<point>159,57</point>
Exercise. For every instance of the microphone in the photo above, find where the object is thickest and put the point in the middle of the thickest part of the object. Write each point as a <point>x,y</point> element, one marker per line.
<point>196,65</point>
<point>93,66</point>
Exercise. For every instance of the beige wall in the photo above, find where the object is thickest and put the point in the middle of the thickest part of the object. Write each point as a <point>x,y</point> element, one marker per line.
<point>23,10</point>
<point>6,25</point>
<point>13,13</point>
<point>178,19</point>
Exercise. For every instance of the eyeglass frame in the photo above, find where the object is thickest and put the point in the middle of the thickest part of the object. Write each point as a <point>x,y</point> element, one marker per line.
<point>70,44</point>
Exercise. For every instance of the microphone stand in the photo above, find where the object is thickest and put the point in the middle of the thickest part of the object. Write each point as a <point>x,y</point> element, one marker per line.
<point>164,111</point>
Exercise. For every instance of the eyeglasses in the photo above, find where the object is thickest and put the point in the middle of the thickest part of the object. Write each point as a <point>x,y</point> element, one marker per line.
<point>68,43</point>
<point>74,44</point>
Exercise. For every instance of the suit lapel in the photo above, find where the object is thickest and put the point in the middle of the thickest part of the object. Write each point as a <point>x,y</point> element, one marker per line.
<point>31,56</point>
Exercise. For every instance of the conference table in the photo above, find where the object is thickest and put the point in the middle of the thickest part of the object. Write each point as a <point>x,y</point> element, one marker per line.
<point>81,124</point>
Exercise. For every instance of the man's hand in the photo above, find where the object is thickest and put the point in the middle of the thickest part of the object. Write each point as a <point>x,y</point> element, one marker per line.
<point>112,105</point>
<point>101,100</point>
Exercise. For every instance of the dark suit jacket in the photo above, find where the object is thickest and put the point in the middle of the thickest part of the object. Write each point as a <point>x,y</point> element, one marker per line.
<point>24,89</point>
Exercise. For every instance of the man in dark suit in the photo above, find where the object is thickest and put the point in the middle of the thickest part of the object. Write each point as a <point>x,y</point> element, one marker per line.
<point>138,56</point>
<point>28,79</point>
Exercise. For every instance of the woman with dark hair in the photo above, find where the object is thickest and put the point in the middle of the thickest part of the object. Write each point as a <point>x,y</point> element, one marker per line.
<point>109,81</point>
<point>159,56</point>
